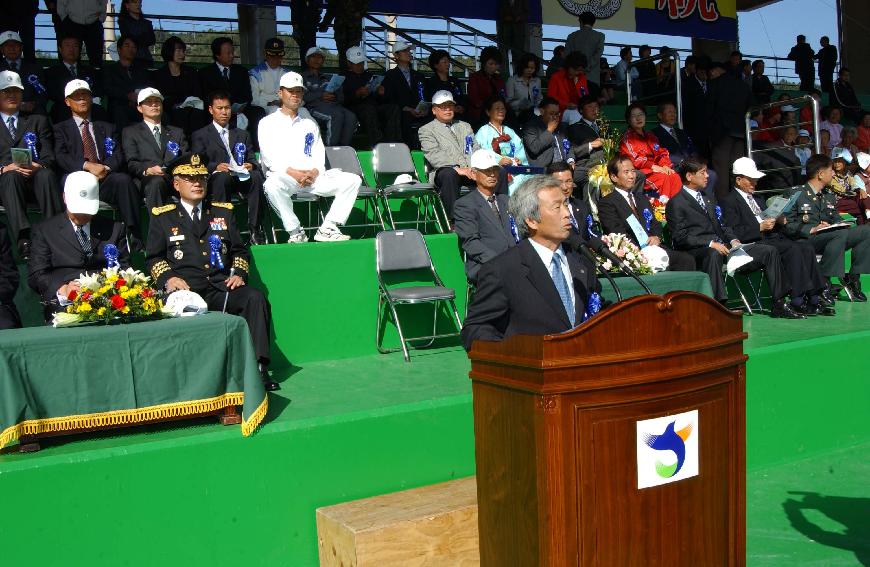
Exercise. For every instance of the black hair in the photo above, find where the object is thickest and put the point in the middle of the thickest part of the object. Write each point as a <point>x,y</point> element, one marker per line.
<point>613,164</point>
<point>661,107</point>
<point>217,43</point>
<point>488,103</point>
<point>625,51</point>
<point>523,61</point>
<point>691,164</point>
<point>575,60</point>
<point>634,106</point>
<point>691,60</point>
<point>557,167</point>
<point>167,50</point>
<point>587,19</point>
<point>490,53</point>
<point>547,101</point>
<point>122,38</point>
<point>816,163</point>
<point>586,99</point>
<point>218,95</point>
<point>436,56</point>
<point>643,48</point>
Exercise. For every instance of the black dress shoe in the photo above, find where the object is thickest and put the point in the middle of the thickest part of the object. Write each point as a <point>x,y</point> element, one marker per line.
<point>781,310</point>
<point>268,383</point>
<point>805,309</point>
<point>257,237</point>
<point>857,294</point>
<point>24,249</point>
<point>826,300</point>
<point>825,310</point>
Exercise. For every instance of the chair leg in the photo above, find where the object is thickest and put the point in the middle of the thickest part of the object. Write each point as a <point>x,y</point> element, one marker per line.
<point>456,314</point>
<point>401,334</point>
<point>389,212</point>
<point>377,209</point>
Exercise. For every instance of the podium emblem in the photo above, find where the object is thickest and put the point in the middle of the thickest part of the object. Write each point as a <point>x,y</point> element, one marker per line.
<point>667,449</point>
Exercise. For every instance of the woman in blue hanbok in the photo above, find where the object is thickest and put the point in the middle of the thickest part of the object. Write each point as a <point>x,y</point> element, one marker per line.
<point>502,140</point>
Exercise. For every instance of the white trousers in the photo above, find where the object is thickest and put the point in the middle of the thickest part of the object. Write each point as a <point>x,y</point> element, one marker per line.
<point>344,186</point>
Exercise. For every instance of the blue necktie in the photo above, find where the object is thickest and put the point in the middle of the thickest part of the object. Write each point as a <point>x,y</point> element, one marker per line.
<point>562,286</point>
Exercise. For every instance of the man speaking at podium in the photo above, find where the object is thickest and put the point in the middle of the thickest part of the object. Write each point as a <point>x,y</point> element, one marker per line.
<point>538,287</point>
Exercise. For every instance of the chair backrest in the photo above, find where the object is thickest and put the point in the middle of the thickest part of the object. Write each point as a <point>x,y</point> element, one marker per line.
<point>401,250</point>
<point>343,158</point>
<point>393,158</point>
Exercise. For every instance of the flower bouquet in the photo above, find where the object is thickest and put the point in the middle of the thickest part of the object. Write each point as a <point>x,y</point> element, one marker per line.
<point>110,295</point>
<point>658,206</point>
<point>598,176</point>
<point>627,251</point>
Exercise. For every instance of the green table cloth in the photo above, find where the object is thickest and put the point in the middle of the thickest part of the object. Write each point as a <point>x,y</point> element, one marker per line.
<point>660,284</point>
<point>55,380</point>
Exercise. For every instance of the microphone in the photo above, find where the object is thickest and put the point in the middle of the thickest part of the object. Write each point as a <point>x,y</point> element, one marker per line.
<point>584,249</point>
<point>227,296</point>
<point>605,251</point>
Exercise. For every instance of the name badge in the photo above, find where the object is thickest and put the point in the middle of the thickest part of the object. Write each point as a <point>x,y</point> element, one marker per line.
<point>176,238</point>
<point>637,229</point>
<point>218,223</point>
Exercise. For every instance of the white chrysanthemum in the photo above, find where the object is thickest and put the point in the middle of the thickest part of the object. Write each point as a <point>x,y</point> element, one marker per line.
<point>89,281</point>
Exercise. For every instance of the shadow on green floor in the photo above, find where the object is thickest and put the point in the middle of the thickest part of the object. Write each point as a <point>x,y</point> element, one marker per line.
<point>816,516</point>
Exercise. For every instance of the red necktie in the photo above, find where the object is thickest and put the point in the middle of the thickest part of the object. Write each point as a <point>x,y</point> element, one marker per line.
<point>88,144</point>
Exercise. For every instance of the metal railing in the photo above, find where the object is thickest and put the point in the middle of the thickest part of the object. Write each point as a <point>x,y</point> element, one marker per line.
<point>678,100</point>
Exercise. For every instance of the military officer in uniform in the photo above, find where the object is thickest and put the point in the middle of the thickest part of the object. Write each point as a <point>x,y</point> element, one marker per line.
<point>814,211</point>
<point>196,246</point>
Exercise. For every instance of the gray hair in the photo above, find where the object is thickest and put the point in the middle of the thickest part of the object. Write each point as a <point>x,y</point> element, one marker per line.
<point>850,130</point>
<point>524,203</point>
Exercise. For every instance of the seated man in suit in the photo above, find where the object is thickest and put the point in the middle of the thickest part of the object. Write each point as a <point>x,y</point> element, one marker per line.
<point>325,106</point>
<point>122,81</point>
<point>544,136</point>
<point>33,101</point>
<point>179,242</point>
<point>72,243</point>
<point>481,218</point>
<point>539,286</point>
<point>67,69</point>
<point>697,229</point>
<point>628,201</point>
<point>585,136</point>
<point>226,149</point>
<point>677,141</point>
<point>224,75</point>
<point>18,182</point>
<point>447,144</point>
<point>83,144</point>
<point>742,211</point>
<point>816,209</point>
<point>584,227</point>
<point>380,120</point>
<point>150,145</point>
<point>9,317</point>
<point>403,87</point>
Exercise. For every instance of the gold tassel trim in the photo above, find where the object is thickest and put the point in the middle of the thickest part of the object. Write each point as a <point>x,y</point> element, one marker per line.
<point>126,417</point>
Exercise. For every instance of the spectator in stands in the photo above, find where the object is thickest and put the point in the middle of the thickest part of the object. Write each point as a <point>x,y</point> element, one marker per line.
<point>64,71</point>
<point>621,71</point>
<point>122,81</point>
<point>678,143</point>
<point>524,88</point>
<point>694,93</point>
<point>228,154</point>
<point>742,211</point>
<point>734,65</point>
<point>762,89</point>
<point>648,156</point>
<point>34,99</point>
<point>778,158</point>
<point>665,77</point>
<point>844,96</point>
<point>827,58</point>
<point>224,75</point>
<point>442,80</point>
<point>150,146</point>
<point>73,242</point>
<point>325,104</point>
<point>380,120</point>
<point>728,99</point>
<point>690,67</point>
<point>304,17</point>
<point>825,142</point>
<point>484,84</point>
<point>512,19</point>
<point>83,143</point>
<point>555,63</point>
<point>544,136</point>
<point>179,84</point>
<point>831,123</point>
<point>403,87</point>
<point>9,317</point>
<point>802,54</point>
<point>568,85</point>
<point>447,145</point>
<point>850,136</point>
<point>481,217</point>
<point>84,19</point>
<point>627,200</point>
<point>803,149</point>
<point>348,28</point>
<point>816,209</point>
<point>501,139</point>
<point>18,183</point>
<point>264,78</point>
<point>586,143</point>
<point>746,72</point>
<point>849,188</point>
<point>590,43</point>
<point>584,225</point>
<point>863,139</point>
<point>293,159</point>
<point>132,23</point>
<point>697,230</point>
<point>863,174</point>
<point>178,239</point>
<point>646,71</point>
<point>20,16</point>
<point>806,113</point>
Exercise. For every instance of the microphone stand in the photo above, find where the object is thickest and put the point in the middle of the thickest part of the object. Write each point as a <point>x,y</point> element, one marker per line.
<point>584,249</point>
<point>227,296</point>
<point>605,251</point>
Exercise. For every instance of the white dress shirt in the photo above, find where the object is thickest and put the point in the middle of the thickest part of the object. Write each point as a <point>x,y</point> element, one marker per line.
<point>82,12</point>
<point>282,143</point>
<point>188,208</point>
<point>546,256</point>
<point>749,200</point>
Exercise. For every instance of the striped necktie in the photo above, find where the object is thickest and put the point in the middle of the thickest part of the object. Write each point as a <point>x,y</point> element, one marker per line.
<point>84,241</point>
<point>562,286</point>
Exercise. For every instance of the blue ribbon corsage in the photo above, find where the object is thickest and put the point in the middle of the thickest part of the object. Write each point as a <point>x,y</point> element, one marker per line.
<point>574,224</point>
<point>718,210</point>
<point>240,150</point>
<point>214,243</point>
<point>514,231</point>
<point>109,146</point>
<point>30,140</point>
<point>566,147</point>
<point>110,253</point>
<point>420,90</point>
<point>173,148</point>
<point>647,216</point>
<point>593,306</point>
<point>589,224</point>
<point>309,143</point>
<point>34,82</point>
<point>468,144</point>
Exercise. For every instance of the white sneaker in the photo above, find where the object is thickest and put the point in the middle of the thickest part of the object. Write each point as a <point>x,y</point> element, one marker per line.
<point>330,234</point>
<point>297,237</point>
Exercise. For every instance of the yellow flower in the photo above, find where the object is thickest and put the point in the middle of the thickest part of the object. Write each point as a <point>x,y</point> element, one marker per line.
<point>124,288</point>
<point>103,289</point>
<point>84,307</point>
<point>69,309</point>
<point>112,279</point>
<point>125,310</point>
<point>101,311</point>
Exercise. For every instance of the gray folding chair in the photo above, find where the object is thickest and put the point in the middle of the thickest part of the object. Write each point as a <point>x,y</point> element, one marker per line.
<point>346,159</point>
<point>390,160</point>
<point>399,251</point>
<point>313,201</point>
<point>753,301</point>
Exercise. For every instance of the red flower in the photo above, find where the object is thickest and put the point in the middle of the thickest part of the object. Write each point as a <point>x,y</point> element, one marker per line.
<point>119,283</point>
<point>72,295</point>
<point>118,302</point>
<point>147,292</point>
<point>86,296</point>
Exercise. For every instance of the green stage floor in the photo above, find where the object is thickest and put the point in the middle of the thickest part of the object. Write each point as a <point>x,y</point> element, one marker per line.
<point>346,429</point>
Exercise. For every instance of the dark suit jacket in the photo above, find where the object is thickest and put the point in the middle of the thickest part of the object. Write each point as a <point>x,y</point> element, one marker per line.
<point>141,150</point>
<point>694,112</point>
<point>679,147</point>
<point>777,157</point>
<point>57,258</point>
<point>740,218</point>
<point>207,142</point>
<point>691,227</point>
<point>613,210</point>
<point>70,150</point>
<point>728,99</point>
<point>31,94</point>
<point>802,55</point>
<point>827,57</point>
<point>580,135</point>
<point>516,296</point>
<point>239,84</point>
<point>582,214</point>
<point>397,90</point>
<point>37,124</point>
<point>540,145</point>
<point>119,81</point>
<point>56,78</point>
<point>482,235</point>
<point>8,270</point>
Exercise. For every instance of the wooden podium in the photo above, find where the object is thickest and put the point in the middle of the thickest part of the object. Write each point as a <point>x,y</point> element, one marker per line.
<point>555,423</point>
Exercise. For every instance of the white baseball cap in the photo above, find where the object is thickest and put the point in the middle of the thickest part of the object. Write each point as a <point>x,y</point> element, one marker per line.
<point>401,45</point>
<point>291,80</point>
<point>483,159</point>
<point>10,80</point>
<point>789,108</point>
<point>147,93</point>
<point>76,85</point>
<point>863,160</point>
<point>9,36</point>
<point>842,153</point>
<point>81,191</point>
<point>747,168</point>
<point>440,97</point>
<point>355,55</point>
<point>804,133</point>
<point>313,50</point>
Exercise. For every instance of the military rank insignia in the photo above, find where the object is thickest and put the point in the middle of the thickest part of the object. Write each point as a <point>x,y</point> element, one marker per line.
<point>218,223</point>
<point>178,254</point>
<point>805,211</point>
